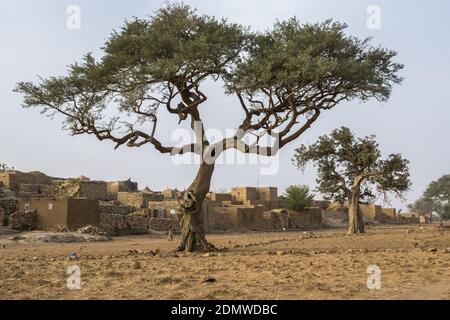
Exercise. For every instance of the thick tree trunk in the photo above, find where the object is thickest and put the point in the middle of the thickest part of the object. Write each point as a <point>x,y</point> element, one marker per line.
<point>355,221</point>
<point>192,230</point>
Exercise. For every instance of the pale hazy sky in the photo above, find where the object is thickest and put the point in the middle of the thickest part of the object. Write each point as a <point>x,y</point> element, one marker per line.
<point>415,122</point>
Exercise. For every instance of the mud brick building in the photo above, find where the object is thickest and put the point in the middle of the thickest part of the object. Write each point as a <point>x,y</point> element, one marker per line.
<point>372,212</point>
<point>220,197</point>
<point>70,213</point>
<point>122,186</point>
<point>138,199</point>
<point>237,217</point>
<point>247,195</point>
<point>170,209</point>
<point>389,212</point>
<point>171,194</point>
<point>96,190</point>
<point>14,180</point>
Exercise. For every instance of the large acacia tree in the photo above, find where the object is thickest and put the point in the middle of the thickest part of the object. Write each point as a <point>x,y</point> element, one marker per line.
<point>283,79</point>
<point>351,169</point>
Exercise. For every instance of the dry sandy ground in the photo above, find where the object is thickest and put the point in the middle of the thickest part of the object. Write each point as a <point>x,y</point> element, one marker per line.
<point>415,264</point>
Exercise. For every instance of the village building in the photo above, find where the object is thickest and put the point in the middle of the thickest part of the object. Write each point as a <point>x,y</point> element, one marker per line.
<point>65,213</point>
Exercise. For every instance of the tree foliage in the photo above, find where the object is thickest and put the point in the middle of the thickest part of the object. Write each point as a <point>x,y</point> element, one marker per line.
<point>4,167</point>
<point>283,78</point>
<point>436,198</point>
<point>346,163</point>
<point>297,198</point>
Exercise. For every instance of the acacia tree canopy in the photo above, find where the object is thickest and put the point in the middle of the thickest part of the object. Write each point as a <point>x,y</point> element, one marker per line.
<point>345,162</point>
<point>283,78</point>
<point>435,198</point>
<point>351,169</point>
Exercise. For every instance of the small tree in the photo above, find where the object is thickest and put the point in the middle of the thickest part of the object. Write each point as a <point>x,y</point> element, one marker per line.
<point>282,79</point>
<point>297,198</point>
<point>423,205</point>
<point>351,169</point>
<point>4,167</point>
<point>438,193</point>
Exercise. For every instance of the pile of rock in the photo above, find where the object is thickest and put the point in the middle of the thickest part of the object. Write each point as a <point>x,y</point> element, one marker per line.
<point>23,220</point>
<point>90,230</point>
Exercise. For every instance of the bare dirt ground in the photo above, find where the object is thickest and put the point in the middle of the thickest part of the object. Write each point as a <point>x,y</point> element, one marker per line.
<point>415,264</point>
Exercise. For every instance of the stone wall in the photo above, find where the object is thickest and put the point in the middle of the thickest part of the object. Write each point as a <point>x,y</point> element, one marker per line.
<point>96,190</point>
<point>36,190</point>
<point>163,225</point>
<point>12,179</point>
<point>8,205</point>
<point>116,224</point>
<point>23,220</point>
<point>116,209</point>
<point>125,225</point>
<point>138,199</point>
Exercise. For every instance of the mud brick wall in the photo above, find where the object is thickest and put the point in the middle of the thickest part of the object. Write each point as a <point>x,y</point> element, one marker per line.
<point>93,190</point>
<point>408,218</point>
<point>270,221</point>
<point>167,208</point>
<point>372,212</point>
<point>322,204</point>
<point>237,217</point>
<point>388,214</point>
<point>220,197</point>
<point>306,218</point>
<point>122,186</point>
<point>170,209</point>
<point>269,194</point>
<point>244,194</point>
<point>171,194</point>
